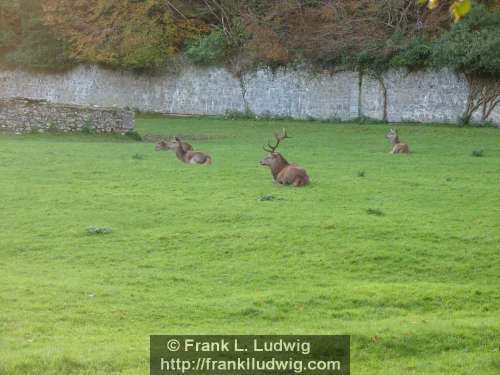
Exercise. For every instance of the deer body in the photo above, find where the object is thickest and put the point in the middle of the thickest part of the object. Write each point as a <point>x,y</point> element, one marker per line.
<point>189,156</point>
<point>184,152</point>
<point>397,146</point>
<point>170,145</point>
<point>283,172</point>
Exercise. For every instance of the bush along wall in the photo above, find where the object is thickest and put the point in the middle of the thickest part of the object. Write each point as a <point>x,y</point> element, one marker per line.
<point>245,35</point>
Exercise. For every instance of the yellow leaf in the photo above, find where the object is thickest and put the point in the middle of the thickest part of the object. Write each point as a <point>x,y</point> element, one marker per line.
<point>421,2</point>
<point>460,9</point>
<point>433,4</point>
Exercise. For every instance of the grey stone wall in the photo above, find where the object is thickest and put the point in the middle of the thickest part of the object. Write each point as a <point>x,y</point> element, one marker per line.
<point>425,96</point>
<point>28,115</point>
<point>302,94</point>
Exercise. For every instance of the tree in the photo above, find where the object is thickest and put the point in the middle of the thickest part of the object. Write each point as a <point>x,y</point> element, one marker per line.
<point>137,35</point>
<point>26,41</point>
<point>472,45</point>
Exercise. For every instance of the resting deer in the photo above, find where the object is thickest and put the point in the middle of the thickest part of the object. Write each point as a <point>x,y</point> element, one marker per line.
<point>184,151</point>
<point>283,172</point>
<point>171,145</point>
<point>397,146</point>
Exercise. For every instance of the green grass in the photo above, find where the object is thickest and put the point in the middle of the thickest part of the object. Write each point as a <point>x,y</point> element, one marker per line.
<point>404,258</point>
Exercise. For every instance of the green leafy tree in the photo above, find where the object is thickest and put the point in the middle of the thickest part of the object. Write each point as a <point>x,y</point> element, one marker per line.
<point>472,45</point>
<point>210,49</point>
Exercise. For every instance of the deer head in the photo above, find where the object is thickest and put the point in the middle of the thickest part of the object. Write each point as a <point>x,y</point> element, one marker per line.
<point>172,145</point>
<point>165,145</point>
<point>397,146</point>
<point>274,159</point>
<point>392,136</point>
<point>282,171</point>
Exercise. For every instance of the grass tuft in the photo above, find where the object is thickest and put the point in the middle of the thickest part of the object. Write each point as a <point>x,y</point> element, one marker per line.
<point>374,211</point>
<point>477,153</point>
<point>138,156</point>
<point>268,197</point>
<point>134,135</point>
<point>93,229</point>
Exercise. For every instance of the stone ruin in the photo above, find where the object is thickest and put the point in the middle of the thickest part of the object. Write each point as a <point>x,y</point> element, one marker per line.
<point>27,115</point>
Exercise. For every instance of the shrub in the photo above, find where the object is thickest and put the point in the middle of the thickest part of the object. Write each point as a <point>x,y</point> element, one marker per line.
<point>209,49</point>
<point>415,56</point>
<point>265,48</point>
<point>472,44</point>
<point>26,42</point>
<point>147,35</point>
<point>134,135</point>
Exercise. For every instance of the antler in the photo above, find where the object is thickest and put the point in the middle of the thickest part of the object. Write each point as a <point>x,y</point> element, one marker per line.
<point>279,138</point>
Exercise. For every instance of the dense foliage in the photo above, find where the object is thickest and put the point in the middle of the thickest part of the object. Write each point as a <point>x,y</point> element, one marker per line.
<point>473,45</point>
<point>148,35</point>
<point>26,41</point>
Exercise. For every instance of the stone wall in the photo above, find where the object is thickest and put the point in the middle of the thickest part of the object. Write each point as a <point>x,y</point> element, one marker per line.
<point>397,95</point>
<point>27,115</point>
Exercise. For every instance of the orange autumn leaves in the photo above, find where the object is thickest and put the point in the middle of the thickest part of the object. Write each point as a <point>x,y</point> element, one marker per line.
<point>121,33</point>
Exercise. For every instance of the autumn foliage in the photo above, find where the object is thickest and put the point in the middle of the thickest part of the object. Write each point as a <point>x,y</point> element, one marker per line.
<point>151,34</point>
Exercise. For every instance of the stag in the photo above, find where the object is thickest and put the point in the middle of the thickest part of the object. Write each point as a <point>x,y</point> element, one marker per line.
<point>397,146</point>
<point>283,172</point>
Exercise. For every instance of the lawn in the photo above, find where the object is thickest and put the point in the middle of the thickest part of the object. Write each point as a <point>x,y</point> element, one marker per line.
<point>401,252</point>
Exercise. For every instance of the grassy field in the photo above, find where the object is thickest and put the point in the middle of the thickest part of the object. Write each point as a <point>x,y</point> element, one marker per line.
<point>401,252</point>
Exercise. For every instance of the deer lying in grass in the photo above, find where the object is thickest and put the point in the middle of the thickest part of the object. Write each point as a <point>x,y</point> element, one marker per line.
<point>283,172</point>
<point>171,145</point>
<point>397,146</point>
<point>184,151</point>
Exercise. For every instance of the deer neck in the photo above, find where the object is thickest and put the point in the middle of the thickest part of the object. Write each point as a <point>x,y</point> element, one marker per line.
<point>395,141</point>
<point>180,152</point>
<point>275,170</point>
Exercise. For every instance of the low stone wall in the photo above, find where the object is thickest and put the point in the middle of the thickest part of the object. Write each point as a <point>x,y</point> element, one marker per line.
<point>396,95</point>
<point>28,115</point>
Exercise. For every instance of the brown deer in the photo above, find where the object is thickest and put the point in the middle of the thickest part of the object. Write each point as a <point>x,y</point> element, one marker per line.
<point>184,151</point>
<point>171,145</point>
<point>397,146</point>
<point>283,172</point>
